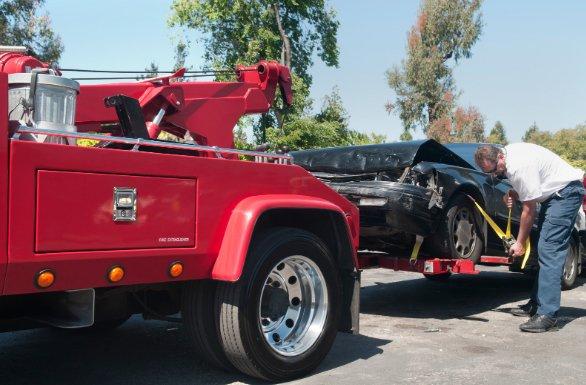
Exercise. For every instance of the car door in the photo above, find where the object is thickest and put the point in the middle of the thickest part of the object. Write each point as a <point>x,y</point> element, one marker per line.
<point>501,213</point>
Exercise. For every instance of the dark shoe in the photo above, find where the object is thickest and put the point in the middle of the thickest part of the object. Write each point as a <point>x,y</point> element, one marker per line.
<point>526,310</point>
<point>538,324</point>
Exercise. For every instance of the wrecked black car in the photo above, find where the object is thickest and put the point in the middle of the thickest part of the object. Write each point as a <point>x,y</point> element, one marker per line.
<point>416,188</point>
<point>406,190</point>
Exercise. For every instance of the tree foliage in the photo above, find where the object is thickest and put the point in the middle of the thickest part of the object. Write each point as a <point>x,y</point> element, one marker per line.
<point>531,132</point>
<point>180,55</point>
<point>464,125</point>
<point>291,31</point>
<point>444,33</point>
<point>21,24</point>
<point>327,128</point>
<point>570,143</point>
<point>497,134</point>
<point>246,31</point>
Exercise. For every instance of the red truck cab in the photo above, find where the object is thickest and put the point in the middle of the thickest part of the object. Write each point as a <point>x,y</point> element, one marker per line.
<point>256,253</point>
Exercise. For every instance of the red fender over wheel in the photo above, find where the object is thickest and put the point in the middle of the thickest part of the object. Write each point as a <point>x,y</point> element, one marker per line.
<point>236,241</point>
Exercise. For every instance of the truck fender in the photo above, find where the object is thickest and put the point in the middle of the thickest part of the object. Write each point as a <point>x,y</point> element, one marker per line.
<point>236,241</point>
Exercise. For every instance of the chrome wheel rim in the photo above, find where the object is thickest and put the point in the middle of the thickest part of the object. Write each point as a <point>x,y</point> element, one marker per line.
<point>570,265</point>
<point>293,305</point>
<point>464,232</point>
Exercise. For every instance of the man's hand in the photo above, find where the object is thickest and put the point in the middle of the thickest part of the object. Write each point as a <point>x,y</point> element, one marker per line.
<point>517,249</point>
<point>510,197</point>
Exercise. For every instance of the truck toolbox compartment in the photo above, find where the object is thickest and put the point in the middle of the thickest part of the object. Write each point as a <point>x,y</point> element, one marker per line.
<point>74,212</point>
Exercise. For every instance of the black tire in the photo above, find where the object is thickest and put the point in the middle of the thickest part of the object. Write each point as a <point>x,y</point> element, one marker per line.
<point>438,277</point>
<point>240,313</point>
<point>460,212</point>
<point>570,267</point>
<point>200,319</point>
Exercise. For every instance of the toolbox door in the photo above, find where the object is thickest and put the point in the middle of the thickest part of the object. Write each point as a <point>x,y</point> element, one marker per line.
<point>78,211</point>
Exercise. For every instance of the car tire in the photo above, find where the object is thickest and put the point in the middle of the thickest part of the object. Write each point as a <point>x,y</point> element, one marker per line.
<point>570,267</point>
<point>200,320</point>
<point>280,319</point>
<point>459,234</point>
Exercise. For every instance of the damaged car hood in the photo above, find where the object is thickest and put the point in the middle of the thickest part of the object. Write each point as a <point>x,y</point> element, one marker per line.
<point>376,157</point>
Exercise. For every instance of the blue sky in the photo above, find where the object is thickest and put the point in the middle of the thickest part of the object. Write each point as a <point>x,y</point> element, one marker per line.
<point>529,64</point>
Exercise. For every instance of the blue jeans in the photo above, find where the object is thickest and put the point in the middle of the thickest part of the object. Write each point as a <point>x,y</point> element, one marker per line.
<point>556,221</point>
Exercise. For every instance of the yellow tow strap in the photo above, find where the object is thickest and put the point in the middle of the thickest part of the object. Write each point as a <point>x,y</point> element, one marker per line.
<point>506,237</point>
<point>415,251</point>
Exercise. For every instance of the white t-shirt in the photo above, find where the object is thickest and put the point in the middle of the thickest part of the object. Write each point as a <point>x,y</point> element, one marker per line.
<point>536,173</point>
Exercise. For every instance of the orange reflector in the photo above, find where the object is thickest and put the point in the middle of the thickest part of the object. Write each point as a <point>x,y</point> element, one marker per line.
<point>176,269</point>
<point>115,274</point>
<point>45,279</point>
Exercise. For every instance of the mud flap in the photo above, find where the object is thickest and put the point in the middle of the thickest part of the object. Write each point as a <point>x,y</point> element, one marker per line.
<point>68,309</point>
<point>349,319</point>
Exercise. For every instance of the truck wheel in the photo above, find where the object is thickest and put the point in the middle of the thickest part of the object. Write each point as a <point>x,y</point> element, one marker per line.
<point>570,267</point>
<point>200,322</point>
<point>280,319</point>
<point>463,230</point>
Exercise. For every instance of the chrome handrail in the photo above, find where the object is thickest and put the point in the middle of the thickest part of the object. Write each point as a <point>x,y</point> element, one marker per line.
<point>137,142</point>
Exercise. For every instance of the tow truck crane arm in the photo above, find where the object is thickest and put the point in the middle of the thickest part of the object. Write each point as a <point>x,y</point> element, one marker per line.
<point>207,110</point>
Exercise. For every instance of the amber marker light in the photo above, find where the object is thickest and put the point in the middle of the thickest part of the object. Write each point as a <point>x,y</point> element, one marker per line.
<point>45,278</point>
<point>176,269</point>
<point>115,274</point>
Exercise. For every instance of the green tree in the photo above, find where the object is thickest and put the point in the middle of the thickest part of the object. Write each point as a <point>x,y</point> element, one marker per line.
<point>531,132</point>
<point>444,33</point>
<point>180,55</point>
<point>246,31</point>
<point>570,144</point>
<point>152,71</point>
<point>327,128</point>
<point>405,136</point>
<point>21,24</point>
<point>497,134</point>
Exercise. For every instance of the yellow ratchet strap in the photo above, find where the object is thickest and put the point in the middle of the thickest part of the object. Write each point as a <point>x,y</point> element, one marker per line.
<point>503,235</point>
<point>416,247</point>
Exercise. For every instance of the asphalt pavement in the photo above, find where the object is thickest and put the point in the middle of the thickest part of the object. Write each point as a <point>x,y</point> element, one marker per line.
<point>412,331</point>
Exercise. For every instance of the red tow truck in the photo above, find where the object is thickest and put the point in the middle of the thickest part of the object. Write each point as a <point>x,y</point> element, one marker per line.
<point>257,254</point>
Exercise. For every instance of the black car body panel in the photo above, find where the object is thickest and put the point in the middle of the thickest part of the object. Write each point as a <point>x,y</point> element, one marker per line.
<point>376,157</point>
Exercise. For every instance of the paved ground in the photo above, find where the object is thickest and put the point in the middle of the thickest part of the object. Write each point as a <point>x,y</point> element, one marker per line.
<point>413,331</point>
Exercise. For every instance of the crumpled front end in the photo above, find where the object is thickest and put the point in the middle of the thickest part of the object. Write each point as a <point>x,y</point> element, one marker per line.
<point>393,212</point>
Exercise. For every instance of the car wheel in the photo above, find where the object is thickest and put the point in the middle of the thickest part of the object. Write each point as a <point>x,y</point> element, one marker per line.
<point>280,319</point>
<point>463,230</point>
<point>200,322</point>
<point>570,267</point>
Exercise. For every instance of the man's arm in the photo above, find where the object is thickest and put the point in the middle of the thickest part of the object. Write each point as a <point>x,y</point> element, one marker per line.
<point>527,219</point>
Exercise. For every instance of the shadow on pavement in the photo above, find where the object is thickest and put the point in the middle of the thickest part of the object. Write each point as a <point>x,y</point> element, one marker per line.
<point>137,353</point>
<point>351,347</point>
<point>460,297</point>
